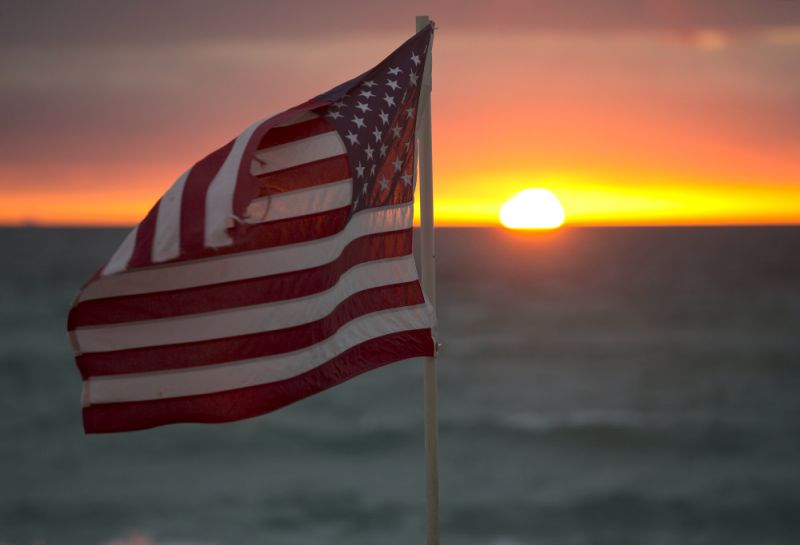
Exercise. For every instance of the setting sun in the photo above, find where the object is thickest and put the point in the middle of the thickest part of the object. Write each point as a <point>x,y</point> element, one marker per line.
<point>532,209</point>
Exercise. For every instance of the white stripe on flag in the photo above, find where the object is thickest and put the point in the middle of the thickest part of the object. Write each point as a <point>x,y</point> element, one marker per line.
<point>246,320</point>
<point>119,261</point>
<point>252,264</point>
<point>241,374</point>
<point>312,200</point>
<point>219,196</point>
<point>298,152</point>
<point>167,238</point>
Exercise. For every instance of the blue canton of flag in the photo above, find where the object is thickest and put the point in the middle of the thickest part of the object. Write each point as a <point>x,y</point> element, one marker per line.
<point>376,119</point>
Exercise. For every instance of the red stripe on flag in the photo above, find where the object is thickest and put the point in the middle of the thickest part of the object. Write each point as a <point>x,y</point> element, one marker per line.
<point>143,249</point>
<point>256,400</point>
<point>306,175</point>
<point>194,354</point>
<point>253,291</point>
<point>250,237</point>
<point>193,201</point>
<point>283,135</point>
<point>279,233</point>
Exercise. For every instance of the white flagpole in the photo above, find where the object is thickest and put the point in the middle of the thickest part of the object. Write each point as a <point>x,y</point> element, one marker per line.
<point>428,255</point>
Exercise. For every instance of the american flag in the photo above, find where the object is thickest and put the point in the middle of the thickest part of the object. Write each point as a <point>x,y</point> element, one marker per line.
<point>276,267</point>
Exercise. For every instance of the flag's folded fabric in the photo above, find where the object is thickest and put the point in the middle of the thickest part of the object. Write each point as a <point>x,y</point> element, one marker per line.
<point>274,268</point>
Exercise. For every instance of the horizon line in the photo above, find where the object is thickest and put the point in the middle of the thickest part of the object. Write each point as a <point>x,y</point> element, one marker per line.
<point>38,225</point>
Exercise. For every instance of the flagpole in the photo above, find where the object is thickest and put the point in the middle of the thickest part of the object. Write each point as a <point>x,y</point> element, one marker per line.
<point>427,256</point>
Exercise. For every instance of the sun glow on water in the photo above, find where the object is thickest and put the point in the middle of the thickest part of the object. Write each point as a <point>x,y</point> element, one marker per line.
<point>532,209</point>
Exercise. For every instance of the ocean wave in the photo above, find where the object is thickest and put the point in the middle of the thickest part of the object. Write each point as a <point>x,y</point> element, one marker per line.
<point>599,424</point>
<point>386,431</point>
<point>140,538</point>
<point>132,538</point>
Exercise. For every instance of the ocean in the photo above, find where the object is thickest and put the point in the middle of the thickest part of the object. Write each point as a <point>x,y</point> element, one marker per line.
<point>597,386</point>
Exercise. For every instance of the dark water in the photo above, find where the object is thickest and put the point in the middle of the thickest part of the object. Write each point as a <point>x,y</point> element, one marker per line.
<point>597,386</point>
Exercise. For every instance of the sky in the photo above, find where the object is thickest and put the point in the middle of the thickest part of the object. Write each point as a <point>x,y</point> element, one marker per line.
<point>632,112</point>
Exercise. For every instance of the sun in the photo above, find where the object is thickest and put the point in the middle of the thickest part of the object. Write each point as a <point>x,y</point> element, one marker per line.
<point>532,209</point>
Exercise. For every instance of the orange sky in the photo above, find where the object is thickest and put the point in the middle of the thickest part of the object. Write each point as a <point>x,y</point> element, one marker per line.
<point>669,117</point>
